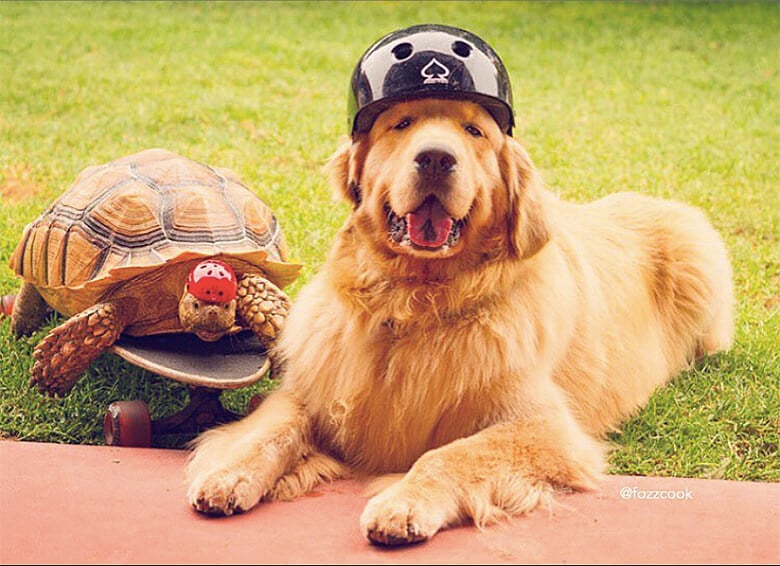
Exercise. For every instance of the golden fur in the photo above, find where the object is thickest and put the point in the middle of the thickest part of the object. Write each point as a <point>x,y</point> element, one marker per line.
<point>487,372</point>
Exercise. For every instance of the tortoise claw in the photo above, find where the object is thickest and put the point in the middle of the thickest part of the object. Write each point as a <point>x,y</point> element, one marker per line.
<point>48,383</point>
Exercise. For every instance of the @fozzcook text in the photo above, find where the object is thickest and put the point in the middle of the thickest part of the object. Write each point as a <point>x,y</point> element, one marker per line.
<point>668,494</point>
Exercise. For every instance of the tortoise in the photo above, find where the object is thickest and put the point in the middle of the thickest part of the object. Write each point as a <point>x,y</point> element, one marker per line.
<point>147,244</point>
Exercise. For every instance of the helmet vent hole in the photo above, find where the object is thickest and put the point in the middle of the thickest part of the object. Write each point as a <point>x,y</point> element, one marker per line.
<point>403,51</point>
<point>461,48</point>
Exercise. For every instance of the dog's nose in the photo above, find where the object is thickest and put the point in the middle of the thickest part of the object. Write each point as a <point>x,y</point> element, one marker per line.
<point>435,162</point>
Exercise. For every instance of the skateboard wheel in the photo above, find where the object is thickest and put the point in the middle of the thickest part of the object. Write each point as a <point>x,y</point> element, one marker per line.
<point>7,303</point>
<point>127,423</point>
<point>254,403</point>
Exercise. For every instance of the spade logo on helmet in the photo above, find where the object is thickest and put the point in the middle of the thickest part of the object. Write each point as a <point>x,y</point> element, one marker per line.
<point>434,72</point>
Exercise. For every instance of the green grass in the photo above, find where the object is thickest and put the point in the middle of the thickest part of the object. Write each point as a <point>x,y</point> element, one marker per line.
<point>674,100</point>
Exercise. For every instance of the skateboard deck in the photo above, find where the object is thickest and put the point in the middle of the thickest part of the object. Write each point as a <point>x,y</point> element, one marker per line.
<point>233,361</point>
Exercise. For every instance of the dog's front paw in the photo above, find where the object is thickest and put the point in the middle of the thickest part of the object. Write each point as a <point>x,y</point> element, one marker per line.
<point>225,492</point>
<point>396,517</point>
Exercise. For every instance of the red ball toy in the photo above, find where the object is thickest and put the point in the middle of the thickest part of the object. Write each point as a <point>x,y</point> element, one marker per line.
<point>212,281</point>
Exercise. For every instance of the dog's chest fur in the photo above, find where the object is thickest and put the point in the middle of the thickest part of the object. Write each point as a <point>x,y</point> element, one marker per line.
<point>424,390</point>
<point>381,392</point>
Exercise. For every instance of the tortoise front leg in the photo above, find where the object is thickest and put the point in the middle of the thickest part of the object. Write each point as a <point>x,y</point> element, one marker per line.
<point>264,308</point>
<point>68,351</point>
<point>30,311</point>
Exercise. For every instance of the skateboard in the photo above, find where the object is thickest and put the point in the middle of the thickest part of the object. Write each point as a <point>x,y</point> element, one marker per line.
<point>234,361</point>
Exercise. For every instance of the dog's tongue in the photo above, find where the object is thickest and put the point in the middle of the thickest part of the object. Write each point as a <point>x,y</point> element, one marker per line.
<point>429,225</point>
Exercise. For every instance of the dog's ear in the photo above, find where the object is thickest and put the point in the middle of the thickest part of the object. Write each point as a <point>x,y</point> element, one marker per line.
<point>343,171</point>
<point>527,219</point>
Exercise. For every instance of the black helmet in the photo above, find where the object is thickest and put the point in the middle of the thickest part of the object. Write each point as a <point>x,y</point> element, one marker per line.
<point>429,60</point>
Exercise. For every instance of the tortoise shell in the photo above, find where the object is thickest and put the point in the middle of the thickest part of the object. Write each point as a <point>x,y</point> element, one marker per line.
<point>135,226</point>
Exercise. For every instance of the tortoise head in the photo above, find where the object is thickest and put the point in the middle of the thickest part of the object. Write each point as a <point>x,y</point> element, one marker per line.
<point>208,305</point>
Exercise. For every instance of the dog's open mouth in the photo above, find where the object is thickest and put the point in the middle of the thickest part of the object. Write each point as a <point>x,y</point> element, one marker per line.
<point>429,227</point>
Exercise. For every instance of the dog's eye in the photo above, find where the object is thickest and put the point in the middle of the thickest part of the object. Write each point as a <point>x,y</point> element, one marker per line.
<point>403,124</point>
<point>473,130</point>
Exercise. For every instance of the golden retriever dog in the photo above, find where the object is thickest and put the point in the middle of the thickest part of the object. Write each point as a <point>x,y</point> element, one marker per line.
<point>469,331</point>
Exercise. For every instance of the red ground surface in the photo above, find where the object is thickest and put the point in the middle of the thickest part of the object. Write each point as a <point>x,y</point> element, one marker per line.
<point>100,505</point>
